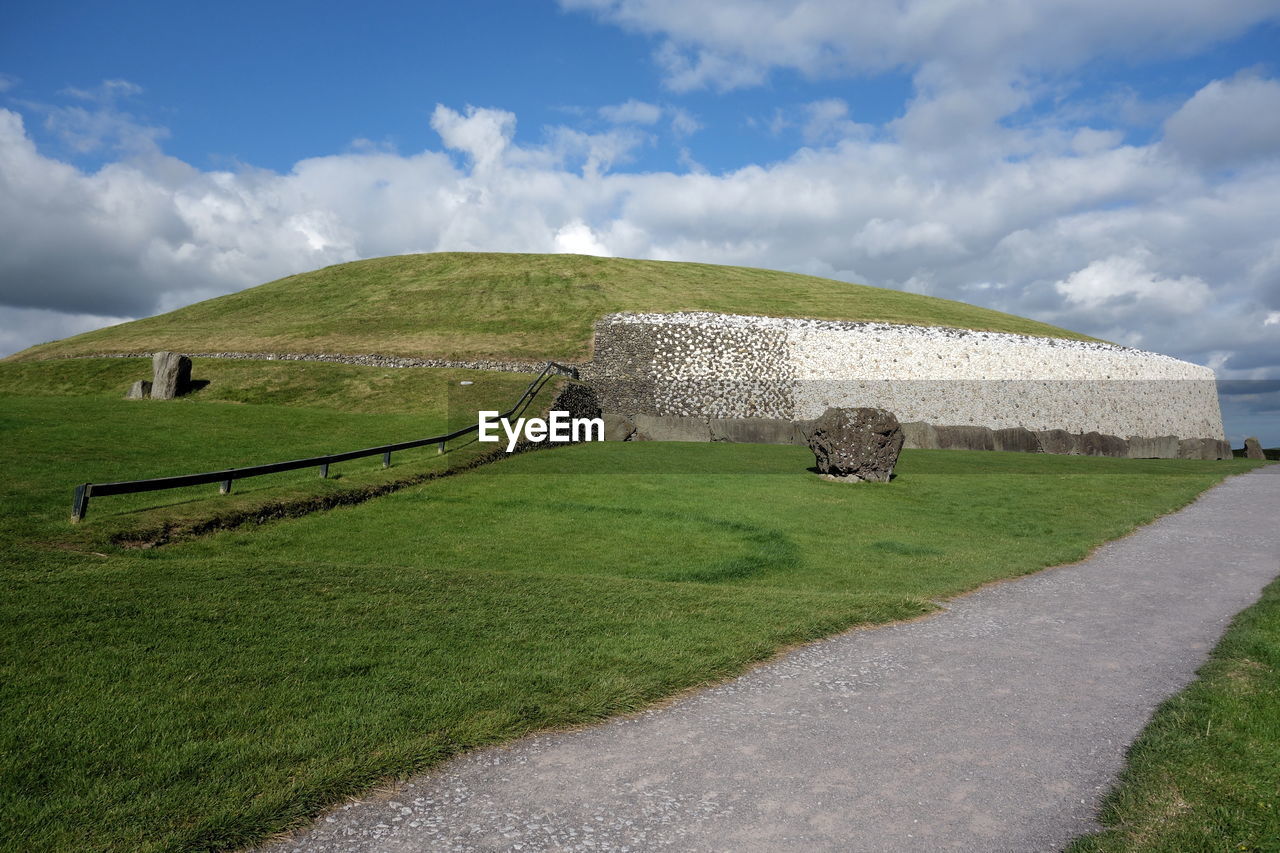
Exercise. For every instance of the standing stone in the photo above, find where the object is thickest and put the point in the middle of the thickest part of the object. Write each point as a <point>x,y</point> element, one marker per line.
<point>172,375</point>
<point>139,390</point>
<point>856,444</point>
<point>1253,449</point>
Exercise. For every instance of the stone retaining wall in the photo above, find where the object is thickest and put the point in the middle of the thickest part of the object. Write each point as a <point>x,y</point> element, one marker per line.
<point>716,366</point>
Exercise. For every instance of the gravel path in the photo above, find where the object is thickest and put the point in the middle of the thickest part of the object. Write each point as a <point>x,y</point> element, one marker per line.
<point>996,725</point>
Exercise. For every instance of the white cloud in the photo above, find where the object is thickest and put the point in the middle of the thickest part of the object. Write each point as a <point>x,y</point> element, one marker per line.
<point>632,112</point>
<point>683,122</point>
<point>1228,122</point>
<point>7,82</point>
<point>484,135</point>
<point>723,45</point>
<point>577,238</point>
<point>828,121</point>
<point>1125,278</point>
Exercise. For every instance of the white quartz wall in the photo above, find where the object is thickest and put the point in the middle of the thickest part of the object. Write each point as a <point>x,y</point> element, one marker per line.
<point>722,365</point>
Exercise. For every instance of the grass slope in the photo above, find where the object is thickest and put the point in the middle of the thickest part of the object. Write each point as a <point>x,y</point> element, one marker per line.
<point>1205,774</point>
<point>476,305</point>
<point>206,694</point>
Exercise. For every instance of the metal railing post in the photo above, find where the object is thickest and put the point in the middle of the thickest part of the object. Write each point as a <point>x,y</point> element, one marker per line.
<point>324,470</point>
<point>80,503</point>
<point>386,459</point>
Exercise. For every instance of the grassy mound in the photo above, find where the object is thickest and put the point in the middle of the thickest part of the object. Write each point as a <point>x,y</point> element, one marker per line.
<point>485,305</point>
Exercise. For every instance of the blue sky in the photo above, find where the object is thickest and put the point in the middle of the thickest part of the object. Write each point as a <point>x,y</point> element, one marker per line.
<point>1111,167</point>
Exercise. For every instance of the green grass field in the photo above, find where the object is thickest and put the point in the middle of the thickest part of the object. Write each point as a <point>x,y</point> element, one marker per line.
<point>476,305</point>
<point>1205,774</point>
<point>208,693</point>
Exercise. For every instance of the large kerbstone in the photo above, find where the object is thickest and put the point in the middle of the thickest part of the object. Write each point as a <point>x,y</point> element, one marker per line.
<point>618,427</point>
<point>1058,441</point>
<point>1016,440</point>
<point>1253,449</point>
<point>139,390</point>
<point>861,444</point>
<point>1158,447</point>
<point>756,430</point>
<point>1203,448</point>
<point>171,375</point>
<point>965,438</point>
<point>670,428</point>
<point>1101,444</point>
<point>919,435</point>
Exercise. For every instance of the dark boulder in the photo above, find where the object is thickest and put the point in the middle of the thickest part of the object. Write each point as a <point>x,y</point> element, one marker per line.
<point>856,444</point>
<point>172,375</point>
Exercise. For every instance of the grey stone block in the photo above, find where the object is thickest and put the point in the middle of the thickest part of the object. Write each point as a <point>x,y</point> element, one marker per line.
<point>139,390</point>
<point>1253,449</point>
<point>671,428</point>
<point>618,427</point>
<point>754,430</point>
<point>1159,447</point>
<point>919,435</point>
<point>1058,441</point>
<point>1199,448</point>
<point>1016,440</point>
<point>1101,444</point>
<point>172,375</point>
<point>965,438</point>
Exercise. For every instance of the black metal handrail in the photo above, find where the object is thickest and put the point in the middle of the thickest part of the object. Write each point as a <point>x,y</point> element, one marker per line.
<point>85,491</point>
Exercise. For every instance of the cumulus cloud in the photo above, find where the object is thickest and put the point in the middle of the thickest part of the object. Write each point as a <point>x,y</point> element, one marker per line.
<point>1228,122</point>
<point>828,121</point>
<point>632,112</point>
<point>722,45</point>
<point>1120,279</point>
